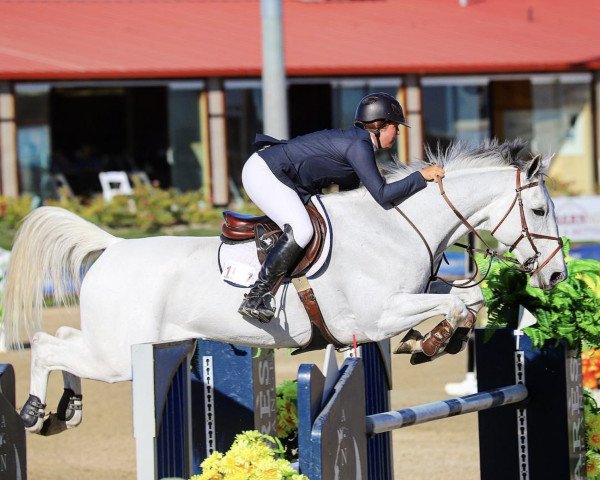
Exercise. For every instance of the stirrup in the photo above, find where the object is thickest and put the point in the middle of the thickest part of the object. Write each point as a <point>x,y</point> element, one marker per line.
<point>264,311</point>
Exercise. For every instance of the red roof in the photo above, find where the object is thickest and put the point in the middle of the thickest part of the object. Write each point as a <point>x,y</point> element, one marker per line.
<point>60,39</point>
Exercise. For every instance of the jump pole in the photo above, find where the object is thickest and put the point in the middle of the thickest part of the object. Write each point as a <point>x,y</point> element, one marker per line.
<point>542,436</point>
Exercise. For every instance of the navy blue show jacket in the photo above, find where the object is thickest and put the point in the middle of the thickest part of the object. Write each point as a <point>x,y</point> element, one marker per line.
<point>345,157</point>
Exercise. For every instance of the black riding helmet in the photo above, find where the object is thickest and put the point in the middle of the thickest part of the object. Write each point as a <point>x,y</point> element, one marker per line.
<point>379,106</point>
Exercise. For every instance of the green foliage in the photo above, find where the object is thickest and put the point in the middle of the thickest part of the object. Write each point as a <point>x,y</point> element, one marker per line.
<point>13,210</point>
<point>148,210</point>
<point>287,417</point>
<point>570,311</point>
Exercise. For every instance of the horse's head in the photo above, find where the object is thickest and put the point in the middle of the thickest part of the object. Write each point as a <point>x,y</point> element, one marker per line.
<point>528,226</point>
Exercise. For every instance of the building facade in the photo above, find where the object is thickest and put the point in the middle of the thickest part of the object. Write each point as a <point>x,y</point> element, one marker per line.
<point>189,122</point>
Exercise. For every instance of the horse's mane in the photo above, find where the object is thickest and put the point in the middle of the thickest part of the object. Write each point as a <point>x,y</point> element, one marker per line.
<point>462,155</point>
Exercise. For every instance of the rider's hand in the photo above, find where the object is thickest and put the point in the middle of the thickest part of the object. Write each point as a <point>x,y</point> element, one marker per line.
<point>431,172</point>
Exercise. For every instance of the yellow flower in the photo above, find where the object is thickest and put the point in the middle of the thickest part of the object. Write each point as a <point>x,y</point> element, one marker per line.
<point>251,457</point>
<point>267,469</point>
<point>212,462</point>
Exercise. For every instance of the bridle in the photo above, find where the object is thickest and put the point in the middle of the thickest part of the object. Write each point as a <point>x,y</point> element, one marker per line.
<point>531,265</point>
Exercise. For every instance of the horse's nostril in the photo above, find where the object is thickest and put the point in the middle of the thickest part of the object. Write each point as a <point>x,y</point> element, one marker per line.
<point>556,277</point>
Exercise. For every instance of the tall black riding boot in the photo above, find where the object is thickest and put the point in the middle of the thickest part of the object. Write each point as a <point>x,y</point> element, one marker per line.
<point>280,260</point>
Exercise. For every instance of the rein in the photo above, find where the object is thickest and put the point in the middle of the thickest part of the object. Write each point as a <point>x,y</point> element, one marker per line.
<point>530,265</point>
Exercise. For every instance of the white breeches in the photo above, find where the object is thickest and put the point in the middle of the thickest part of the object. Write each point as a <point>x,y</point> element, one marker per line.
<point>278,201</point>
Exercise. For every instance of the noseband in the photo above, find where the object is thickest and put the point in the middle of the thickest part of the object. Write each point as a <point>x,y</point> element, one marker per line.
<point>530,265</point>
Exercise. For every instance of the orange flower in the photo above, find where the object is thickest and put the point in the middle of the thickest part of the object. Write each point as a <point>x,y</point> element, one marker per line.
<point>590,368</point>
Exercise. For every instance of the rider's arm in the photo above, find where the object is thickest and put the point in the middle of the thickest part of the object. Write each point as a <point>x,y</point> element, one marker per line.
<point>362,158</point>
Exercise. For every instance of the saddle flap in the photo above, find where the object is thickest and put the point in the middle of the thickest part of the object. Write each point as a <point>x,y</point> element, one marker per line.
<point>265,239</point>
<point>315,247</point>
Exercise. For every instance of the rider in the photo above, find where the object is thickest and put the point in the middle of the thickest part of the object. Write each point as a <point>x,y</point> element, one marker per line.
<point>282,176</point>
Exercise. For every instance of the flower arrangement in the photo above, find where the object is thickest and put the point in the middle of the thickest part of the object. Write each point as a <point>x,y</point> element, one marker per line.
<point>570,311</point>
<point>253,456</point>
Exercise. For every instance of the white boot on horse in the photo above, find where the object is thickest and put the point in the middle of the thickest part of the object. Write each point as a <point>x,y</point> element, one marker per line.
<point>374,284</point>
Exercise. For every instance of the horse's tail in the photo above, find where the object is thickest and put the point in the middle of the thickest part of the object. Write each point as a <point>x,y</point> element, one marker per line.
<point>52,245</point>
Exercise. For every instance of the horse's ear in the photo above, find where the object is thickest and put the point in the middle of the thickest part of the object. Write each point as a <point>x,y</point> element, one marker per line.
<point>534,167</point>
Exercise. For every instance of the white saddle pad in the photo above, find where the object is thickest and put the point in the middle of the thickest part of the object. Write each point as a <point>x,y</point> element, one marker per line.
<point>239,263</point>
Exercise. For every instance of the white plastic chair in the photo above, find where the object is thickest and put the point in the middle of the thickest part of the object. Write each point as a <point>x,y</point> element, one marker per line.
<point>114,183</point>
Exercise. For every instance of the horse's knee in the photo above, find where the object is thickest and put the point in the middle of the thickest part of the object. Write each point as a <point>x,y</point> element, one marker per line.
<point>457,309</point>
<point>475,300</point>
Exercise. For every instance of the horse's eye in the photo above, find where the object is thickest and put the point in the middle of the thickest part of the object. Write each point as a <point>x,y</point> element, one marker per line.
<point>539,212</point>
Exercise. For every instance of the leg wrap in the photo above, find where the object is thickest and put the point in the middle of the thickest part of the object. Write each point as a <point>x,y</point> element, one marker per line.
<point>69,407</point>
<point>33,413</point>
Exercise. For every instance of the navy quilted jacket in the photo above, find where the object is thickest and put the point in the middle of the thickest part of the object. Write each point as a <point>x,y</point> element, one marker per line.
<point>309,163</point>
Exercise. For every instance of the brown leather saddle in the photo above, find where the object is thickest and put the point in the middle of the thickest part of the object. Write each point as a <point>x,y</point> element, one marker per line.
<point>242,228</point>
<point>239,227</point>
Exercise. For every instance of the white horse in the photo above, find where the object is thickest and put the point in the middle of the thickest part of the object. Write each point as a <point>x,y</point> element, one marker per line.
<point>170,288</point>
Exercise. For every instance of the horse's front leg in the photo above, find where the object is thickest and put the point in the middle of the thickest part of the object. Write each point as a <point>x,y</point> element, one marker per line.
<point>473,298</point>
<point>448,336</point>
<point>403,311</point>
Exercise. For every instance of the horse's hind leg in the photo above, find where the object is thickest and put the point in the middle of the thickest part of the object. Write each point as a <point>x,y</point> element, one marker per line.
<point>69,410</point>
<point>67,352</point>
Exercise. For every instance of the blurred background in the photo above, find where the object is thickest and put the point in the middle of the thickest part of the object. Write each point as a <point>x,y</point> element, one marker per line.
<point>139,114</point>
<point>172,93</point>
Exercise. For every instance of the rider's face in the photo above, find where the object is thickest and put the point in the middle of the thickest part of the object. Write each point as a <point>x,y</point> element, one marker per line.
<point>388,134</point>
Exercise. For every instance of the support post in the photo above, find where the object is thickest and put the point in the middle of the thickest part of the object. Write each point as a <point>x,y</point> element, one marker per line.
<point>233,389</point>
<point>414,116</point>
<point>13,458</point>
<point>275,111</point>
<point>547,438</point>
<point>161,409</point>
<point>218,142</point>
<point>9,171</point>
<point>378,383</point>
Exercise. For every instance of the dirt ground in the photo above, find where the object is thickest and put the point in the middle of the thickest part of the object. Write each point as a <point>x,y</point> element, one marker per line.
<point>103,448</point>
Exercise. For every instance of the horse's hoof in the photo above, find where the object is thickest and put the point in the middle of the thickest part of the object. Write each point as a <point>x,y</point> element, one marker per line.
<point>69,408</point>
<point>32,414</point>
<point>410,343</point>
<point>435,341</point>
<point>418,358</point>
<point>53,425</point>
<point>458,341</point>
